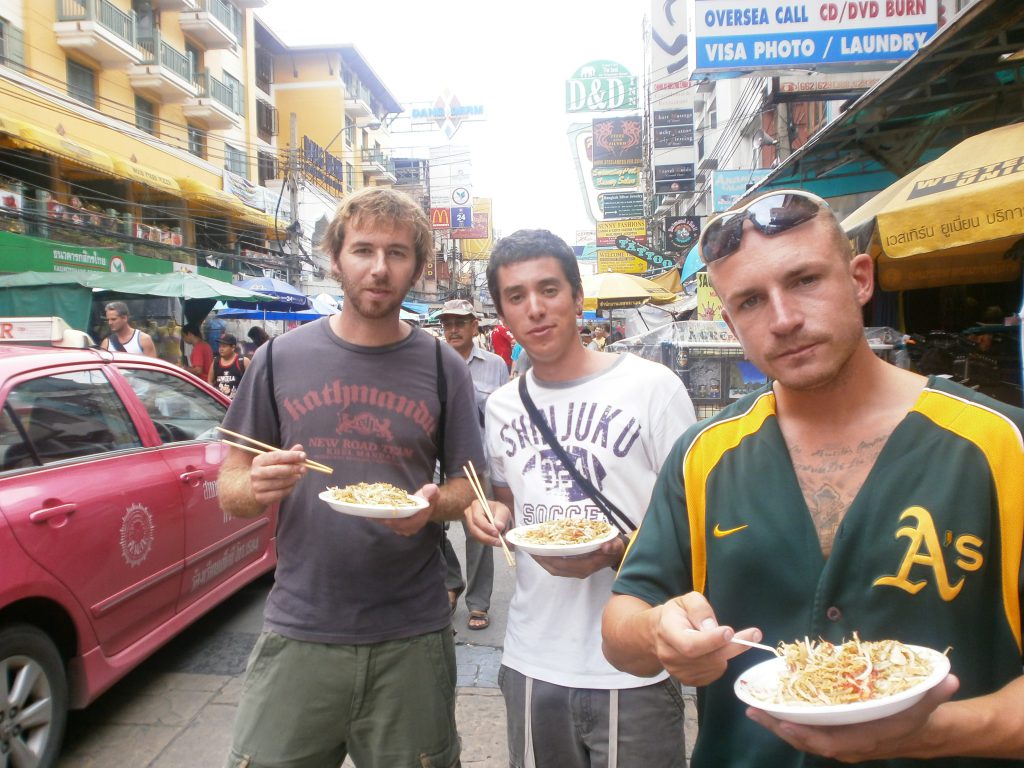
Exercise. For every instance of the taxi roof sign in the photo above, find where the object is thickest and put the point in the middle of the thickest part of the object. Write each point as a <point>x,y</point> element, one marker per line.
<point>42,330</point>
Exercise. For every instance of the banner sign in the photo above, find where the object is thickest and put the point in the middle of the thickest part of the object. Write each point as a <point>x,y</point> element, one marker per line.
<point>673,128</point>
<point>440,218</point>
<point>729,186</point>
<point>462,217</point>
<point>749,35</point>
<point>618,142</point>
<point>681,232</point>
<point>621,205</point>
<point>480,228</point>
<point>614,178</point>
<point>607,231</point>
<point>654,260</point>
<point>614,260</point>
<point>600,86</point>
<point>677,177</point>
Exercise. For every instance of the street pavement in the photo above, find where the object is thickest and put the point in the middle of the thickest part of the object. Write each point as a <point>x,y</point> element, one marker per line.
<point>177,710</point>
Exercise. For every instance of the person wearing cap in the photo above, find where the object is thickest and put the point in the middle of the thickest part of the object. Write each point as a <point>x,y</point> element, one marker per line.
<point>461,324</point>
<point>846,498</point>
<point>227,370</point>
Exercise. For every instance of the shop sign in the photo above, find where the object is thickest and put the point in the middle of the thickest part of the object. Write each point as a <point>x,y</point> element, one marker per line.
<point>673,128</point>
<point>654,260</point>
<point>600,86</point>
<point>440,218</point>
<point>607,231</point>
<point>751,35</point>
<point>614,178</point>
<point>614,260</point>
<point>682,232</point>
<point>621,205</point>
<point>618,142</point>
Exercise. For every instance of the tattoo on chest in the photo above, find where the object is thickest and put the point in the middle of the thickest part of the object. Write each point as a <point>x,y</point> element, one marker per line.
<point>830,476</point>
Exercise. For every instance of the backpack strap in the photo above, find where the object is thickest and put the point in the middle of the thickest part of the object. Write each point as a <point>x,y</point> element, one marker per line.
<point>442,396</point>
<point>270,383</point>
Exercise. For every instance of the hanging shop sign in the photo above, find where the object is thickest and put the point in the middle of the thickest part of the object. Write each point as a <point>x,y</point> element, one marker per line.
<point>600,86</point>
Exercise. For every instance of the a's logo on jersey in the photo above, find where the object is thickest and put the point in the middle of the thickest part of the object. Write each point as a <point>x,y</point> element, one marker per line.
<point>924,551</point>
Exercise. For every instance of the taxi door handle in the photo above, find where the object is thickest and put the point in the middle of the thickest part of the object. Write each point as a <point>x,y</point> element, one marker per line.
<point>192,477</point>
<point>48,513</point>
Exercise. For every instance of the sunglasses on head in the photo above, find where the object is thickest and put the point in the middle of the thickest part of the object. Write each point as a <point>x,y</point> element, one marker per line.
<point>771,214</point>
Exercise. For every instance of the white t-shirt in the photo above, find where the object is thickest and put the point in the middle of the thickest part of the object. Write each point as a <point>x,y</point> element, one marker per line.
<point>619,426</point>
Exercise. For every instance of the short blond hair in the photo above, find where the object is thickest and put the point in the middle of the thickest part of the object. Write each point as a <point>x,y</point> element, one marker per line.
<point>380,207</point>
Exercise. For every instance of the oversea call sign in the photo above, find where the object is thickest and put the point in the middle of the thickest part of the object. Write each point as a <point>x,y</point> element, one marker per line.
<point>751,35</point>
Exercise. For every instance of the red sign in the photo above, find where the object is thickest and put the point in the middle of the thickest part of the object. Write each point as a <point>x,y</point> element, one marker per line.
<point>441,218</point>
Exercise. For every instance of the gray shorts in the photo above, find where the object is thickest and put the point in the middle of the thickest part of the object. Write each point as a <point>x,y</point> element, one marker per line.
<point>388,705</point>
<point>592,728</point>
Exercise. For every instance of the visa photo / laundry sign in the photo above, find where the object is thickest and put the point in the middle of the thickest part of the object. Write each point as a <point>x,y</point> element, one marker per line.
<point>749,35</point>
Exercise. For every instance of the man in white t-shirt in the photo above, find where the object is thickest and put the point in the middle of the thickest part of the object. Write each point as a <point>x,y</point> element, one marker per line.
<point>617,417</point>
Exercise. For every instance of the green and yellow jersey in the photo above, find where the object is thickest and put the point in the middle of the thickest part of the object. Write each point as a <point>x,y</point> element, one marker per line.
<point>929,552</point>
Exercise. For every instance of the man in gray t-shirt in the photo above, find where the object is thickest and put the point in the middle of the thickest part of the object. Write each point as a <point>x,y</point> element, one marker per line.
<point>358,611</point>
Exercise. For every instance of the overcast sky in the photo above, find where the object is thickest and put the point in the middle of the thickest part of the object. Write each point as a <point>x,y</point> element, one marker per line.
<point>512,57</point>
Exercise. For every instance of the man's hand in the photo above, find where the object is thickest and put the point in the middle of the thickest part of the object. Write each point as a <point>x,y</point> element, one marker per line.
<point>581,566</point>
<point>410,526</point>
<point>896,736</point>
<point>690,644</point>
<point>274,474</point>
<point>479,526</point>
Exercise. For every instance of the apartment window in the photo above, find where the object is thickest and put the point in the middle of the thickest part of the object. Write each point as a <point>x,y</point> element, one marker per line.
<point>350,129</point>
<point>264,70</point>
<point>266,166</point>
<point>237,93</point>
<point>145,115</point>
<point>350,175</point>
<point>197,141</point>
<point>81,83</point>
<point>236,161</point>
<point>12,45</point>
<point>195,56</point>
<point>266,120</point>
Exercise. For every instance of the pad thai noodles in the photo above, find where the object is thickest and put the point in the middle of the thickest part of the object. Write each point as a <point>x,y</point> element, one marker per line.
<point>819,672</point>
<point>372,494</point>
<point>568,530</point>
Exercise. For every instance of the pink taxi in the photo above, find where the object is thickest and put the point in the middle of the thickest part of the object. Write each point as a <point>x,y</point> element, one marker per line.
<point>111,536</point>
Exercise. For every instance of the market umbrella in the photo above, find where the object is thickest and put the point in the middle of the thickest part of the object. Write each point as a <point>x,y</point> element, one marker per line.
<point>178,285</point>
<point>317,309</point>
<point>284,297</point>
<point>615,290</point>
<point>956,220</point>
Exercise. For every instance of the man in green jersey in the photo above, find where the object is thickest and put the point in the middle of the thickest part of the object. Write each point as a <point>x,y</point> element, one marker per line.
<point>846,496</point>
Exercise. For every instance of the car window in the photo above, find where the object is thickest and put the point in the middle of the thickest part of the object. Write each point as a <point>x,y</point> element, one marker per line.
<point>63,416</point>
<point>179,409</point>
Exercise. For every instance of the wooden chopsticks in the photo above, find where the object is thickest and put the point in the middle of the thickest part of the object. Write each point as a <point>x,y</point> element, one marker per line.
<point>478,489</point>
<point>309,462</point>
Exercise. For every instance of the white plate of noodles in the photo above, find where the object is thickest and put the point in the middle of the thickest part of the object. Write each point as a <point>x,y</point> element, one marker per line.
<point>378,500</point>
<point>819,683</point>
<point>562,537</point>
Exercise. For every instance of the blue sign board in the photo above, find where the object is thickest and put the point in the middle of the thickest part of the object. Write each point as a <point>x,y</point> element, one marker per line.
<point>462,217</point>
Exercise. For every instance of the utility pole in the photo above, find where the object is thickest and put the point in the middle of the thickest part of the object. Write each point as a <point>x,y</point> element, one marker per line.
<point>292,180</point>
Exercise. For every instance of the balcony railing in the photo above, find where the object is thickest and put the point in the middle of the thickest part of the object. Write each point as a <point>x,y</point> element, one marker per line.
<point>119,23</point>
<point>221,11</point>
<point>377,159</point>
<point>210,86</point>
<point>163,54</point>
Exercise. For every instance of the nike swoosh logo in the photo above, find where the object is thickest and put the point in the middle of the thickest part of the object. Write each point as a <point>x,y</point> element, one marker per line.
<point>719,533</point>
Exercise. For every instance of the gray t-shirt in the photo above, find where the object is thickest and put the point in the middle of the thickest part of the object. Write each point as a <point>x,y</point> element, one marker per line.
<point>371,414</point>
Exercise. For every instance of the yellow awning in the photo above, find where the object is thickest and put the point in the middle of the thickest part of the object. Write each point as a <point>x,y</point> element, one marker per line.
<point>9,126</point>
<point>33,137</point>
<point>147,176</point>
<point>202,197</point>
<point>261,220</point>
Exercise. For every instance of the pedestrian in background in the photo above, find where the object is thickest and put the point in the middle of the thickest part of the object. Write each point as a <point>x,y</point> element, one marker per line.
<point>460,325</point>
<point>258,337</point>
<point>611,420</point>
<point>229,367</point>
<point>200,359</point>
<point>501,342</point>
<point>123,337</point>
<point>357,656</point>
<point>846,496</point>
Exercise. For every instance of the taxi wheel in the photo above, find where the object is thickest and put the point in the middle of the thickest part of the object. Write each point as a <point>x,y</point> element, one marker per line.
<point>33,697</point>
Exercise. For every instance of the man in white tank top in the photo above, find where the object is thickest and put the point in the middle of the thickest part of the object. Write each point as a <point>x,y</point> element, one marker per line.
<point>124,338</point>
